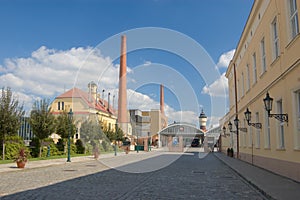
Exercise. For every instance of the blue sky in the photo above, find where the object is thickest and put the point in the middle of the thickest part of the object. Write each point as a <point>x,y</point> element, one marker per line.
<point>36,37</point>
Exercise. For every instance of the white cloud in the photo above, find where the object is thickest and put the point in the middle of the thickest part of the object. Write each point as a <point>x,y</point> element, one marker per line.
<point>218,88</point>
<point>225,58</point>
<point>47,72</point>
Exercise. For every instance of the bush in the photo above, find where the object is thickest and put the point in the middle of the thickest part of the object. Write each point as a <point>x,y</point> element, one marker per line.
<point>53,150</point>
<point>35,147</point>
<point>13,145</point>
<point>60,145</point>
<point>79,147</point>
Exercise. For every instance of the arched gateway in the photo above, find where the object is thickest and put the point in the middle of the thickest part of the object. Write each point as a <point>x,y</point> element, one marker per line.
<point>179,135</point>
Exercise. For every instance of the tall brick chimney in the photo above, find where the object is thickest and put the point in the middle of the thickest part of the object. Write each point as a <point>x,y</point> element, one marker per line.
<point>122,102</point>
<point>162,100</point>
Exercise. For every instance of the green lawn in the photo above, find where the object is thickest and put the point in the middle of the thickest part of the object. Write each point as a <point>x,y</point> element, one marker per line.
<point>56,157</point>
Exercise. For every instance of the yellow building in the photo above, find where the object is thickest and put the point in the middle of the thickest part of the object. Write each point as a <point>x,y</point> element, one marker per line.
<point>85,105</point>
<point>267,60</point>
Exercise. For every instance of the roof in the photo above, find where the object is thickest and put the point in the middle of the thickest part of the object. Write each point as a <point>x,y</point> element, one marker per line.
<point>181,129</point>
<point>90,101</point>
<point>202,115</point>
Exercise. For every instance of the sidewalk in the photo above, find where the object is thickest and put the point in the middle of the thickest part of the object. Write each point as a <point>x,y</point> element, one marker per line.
<point>43,163</point>
<point>272,185</point>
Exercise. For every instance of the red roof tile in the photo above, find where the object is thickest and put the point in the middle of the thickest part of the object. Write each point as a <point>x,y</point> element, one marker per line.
<point>89,100</point>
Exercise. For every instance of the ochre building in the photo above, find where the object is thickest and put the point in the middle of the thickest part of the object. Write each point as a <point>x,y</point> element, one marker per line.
<point>266,61</point>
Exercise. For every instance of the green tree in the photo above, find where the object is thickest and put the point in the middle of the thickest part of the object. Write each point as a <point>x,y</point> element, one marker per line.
<point>91,132</point>
<point>42,122</point>
<point>10,114</point>
<point>63,127</point>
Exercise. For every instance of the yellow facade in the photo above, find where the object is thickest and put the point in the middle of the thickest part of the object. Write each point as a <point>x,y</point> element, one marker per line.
<point>267,59</point>
<point>85,106</point>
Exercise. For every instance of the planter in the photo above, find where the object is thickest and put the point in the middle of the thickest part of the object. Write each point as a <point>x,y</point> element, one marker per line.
<point>21,164</point>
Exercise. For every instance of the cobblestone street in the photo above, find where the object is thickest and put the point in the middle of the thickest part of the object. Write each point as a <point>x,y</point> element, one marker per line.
<point>191,176</point>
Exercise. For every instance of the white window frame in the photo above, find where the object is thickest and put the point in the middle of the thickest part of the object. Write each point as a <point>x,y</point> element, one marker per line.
<point>293,18</point>
<point>257,143</point>
<point>296,109</point>
<point>250,137</point>
<point>275,39</point>
<point>267,138</point>
<point>254,68</point>
<point>248,77</point>
<point>280,126</point>
<point>243,85</point>
<point>263,56</point>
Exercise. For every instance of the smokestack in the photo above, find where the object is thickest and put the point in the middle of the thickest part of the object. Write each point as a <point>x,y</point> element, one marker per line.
<point>122,102</point>
<point>162,100</point>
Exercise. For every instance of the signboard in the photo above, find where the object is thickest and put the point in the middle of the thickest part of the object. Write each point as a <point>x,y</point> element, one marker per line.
<point>175,140</point>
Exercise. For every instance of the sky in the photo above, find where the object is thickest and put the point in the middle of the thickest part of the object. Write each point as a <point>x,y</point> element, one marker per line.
<point>48,47</point>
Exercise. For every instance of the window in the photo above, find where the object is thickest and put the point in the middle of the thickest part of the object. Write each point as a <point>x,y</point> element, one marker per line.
<point>293,18</point>
<point>257,131</point>
<point>267,131</point>
<point>248,77</point>
<point>263,56</point>
<point>297,119</point>
<point>63,105</point>
<point>275,40</point>
<point>250,144</point>
<point>243,84</point>
<point>254,68</point>
<point>280,126</point>
<point>58,105</point>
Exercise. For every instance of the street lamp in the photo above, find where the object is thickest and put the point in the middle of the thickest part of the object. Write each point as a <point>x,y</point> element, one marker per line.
<point>236,123</point>
<point>70,117</point>
<point>224,130</point>
<point>248,118</point>
<point>268,101</point>
<point>230,126</point>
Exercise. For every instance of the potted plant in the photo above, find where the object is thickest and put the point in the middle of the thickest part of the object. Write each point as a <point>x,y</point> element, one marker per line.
<point>21,158</point>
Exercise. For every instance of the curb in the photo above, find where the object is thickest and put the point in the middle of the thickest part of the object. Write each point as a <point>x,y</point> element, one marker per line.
<point>245,179</point>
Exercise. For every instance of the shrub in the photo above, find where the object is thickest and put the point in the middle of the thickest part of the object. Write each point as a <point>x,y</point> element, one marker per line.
<point>13,145</point>
<point>79,147</point>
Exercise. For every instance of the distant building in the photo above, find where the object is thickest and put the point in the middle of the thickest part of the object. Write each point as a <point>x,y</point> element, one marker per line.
<point>25,130</point>
<point>267,61</point>
<point>147,123</point>
<point>85,104</point>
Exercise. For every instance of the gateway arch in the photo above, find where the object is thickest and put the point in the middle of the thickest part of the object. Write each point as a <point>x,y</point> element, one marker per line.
<point>179,135</point>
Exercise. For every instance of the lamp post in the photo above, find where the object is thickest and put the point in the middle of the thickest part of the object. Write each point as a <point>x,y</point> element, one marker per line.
<point>248,118</point>
<point>70,117</point>
<point>236,123</point>
<point>268,101</point>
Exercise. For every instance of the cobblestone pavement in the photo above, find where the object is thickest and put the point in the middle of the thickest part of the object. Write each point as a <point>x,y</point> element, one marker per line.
<point>190,176</point>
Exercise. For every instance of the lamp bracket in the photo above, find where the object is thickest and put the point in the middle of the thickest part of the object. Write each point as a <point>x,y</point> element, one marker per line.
<point>280,117</point>
<point>243,130</point>
<point>256,125</point>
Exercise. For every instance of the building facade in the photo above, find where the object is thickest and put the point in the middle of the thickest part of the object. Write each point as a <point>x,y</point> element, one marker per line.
<point>85,105</point>
<point>267,60</point>
<point>147,123</point>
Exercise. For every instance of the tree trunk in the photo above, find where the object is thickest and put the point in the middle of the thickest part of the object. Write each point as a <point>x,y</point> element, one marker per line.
<point>3,149</point>
<point>40,153</point>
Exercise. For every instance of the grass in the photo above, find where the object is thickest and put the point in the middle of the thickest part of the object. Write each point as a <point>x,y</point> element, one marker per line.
<point>57,157</point>
<point>44,158</point>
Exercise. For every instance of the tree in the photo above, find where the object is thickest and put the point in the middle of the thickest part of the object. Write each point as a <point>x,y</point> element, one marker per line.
<point>10,114</point>
<point>63,126</point>
<point>42,122</point>
<point>90,131</point>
